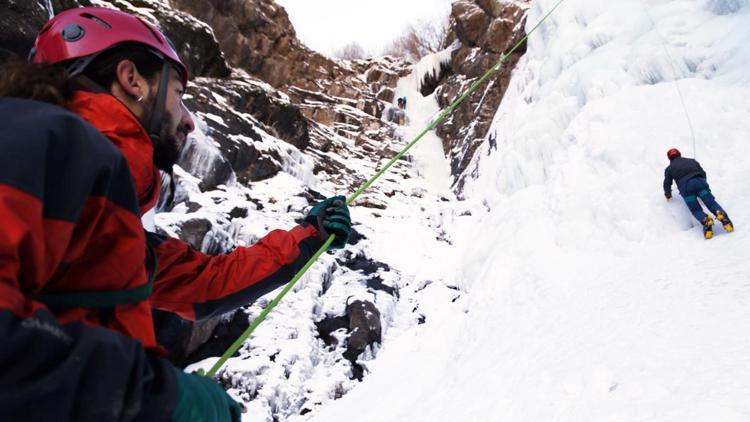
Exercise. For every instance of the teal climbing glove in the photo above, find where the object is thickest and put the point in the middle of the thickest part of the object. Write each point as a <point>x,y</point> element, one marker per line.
<point>331,216</point>
<point>201,399</point>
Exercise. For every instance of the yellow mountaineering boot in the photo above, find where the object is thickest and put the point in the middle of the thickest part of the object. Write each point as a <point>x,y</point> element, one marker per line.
<point>708,227</point>
<point>725,221</point>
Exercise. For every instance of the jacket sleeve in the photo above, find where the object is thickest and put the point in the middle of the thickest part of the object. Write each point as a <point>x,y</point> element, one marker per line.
<point>667,183</point>
<point>49,163</point>
<point>195,285</point>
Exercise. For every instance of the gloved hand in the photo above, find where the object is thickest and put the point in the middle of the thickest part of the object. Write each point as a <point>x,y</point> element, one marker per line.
<point>202,399</point>
<point>331,216</point>
<point>668,196</point>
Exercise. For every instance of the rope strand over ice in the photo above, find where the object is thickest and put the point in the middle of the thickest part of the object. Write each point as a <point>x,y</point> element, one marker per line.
<point>674,72</point>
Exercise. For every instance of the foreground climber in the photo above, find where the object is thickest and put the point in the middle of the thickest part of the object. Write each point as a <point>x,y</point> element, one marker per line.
<point>78,275</point>
<point>691,182</point>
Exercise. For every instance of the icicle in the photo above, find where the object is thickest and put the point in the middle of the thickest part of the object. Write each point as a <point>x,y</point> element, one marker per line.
<point>200,156</point>
<point>430,64</point>
<point>299,165</point>
<point>50,9</point>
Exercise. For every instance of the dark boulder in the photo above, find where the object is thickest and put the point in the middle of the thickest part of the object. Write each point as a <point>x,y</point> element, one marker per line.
<point>194,231</point>
<point>188,342</point>
<point>362,322</point>
<point>364,329</point>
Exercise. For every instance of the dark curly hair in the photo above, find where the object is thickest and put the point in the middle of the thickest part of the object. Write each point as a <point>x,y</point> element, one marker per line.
<point>50,83</point>
<point>34,81</point>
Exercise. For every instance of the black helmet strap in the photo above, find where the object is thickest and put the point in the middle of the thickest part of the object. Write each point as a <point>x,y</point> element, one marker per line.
<point>157,113</point>
<point>154,125</point>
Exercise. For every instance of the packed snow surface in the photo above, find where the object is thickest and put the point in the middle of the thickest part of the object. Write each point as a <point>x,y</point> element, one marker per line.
<point>575,291</point>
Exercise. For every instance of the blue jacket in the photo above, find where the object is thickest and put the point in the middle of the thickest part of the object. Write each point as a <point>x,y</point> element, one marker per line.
<point>681,170</point>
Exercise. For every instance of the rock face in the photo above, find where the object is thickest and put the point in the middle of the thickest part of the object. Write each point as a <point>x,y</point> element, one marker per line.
<point>20,22</point>
<point>256,35</point>
<point>486,29</point>
<point>238,111</point>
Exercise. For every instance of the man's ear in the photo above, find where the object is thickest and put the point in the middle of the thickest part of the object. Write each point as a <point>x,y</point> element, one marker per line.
<point>131,82</point>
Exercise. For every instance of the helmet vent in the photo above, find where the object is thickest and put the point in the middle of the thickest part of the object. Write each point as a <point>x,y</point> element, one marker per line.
<point>97,20</point>
<point>153,32</point>
<point>73,32</point>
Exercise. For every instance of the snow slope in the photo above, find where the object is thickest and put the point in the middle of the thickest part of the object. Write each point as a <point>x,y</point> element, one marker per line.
<point>579,293</point>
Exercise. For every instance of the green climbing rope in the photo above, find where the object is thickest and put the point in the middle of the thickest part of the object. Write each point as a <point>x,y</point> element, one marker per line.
<point>238,343</point>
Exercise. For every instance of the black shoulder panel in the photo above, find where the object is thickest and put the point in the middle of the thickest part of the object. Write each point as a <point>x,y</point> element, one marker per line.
<point>61,159</point>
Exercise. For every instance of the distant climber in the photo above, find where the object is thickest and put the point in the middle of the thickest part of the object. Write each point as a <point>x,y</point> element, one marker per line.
<point>493,143</point>
<point>396,115</point>
<point>691,182</point>
<point>401,103</point>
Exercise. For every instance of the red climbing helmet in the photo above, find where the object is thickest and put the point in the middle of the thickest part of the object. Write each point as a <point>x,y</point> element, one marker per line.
<point>672,153</point>
<point>80,34</point>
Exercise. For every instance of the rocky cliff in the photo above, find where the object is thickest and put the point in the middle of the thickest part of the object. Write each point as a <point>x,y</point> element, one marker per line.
<point>486,30</point>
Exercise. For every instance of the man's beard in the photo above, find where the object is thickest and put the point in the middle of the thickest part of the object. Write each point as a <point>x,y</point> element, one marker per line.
<point>167,149</point>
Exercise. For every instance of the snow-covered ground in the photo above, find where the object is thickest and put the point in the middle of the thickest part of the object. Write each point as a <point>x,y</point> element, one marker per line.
<point>566,288</point>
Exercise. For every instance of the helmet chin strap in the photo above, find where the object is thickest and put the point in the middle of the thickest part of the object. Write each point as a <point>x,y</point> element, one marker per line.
<point>154,124</point>
<point>157,113</point>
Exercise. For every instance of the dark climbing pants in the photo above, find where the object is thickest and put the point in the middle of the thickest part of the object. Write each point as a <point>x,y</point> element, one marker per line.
<point>695,188</point>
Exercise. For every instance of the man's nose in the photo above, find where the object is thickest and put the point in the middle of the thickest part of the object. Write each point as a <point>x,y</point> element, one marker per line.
<point>186,121</point>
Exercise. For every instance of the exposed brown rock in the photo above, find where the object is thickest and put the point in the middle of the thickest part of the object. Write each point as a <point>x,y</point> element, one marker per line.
<point>486,29</point>
<point>256,35</point>
<point>500,35</point>
<point>362,323</point>
<point>471,22</point>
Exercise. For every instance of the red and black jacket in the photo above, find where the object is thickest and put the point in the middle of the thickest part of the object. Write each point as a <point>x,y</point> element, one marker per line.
<point>189,283</point>
<point>70,206</point>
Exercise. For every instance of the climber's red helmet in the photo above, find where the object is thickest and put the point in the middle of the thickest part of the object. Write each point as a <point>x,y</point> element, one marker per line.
<point>78,35</point>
